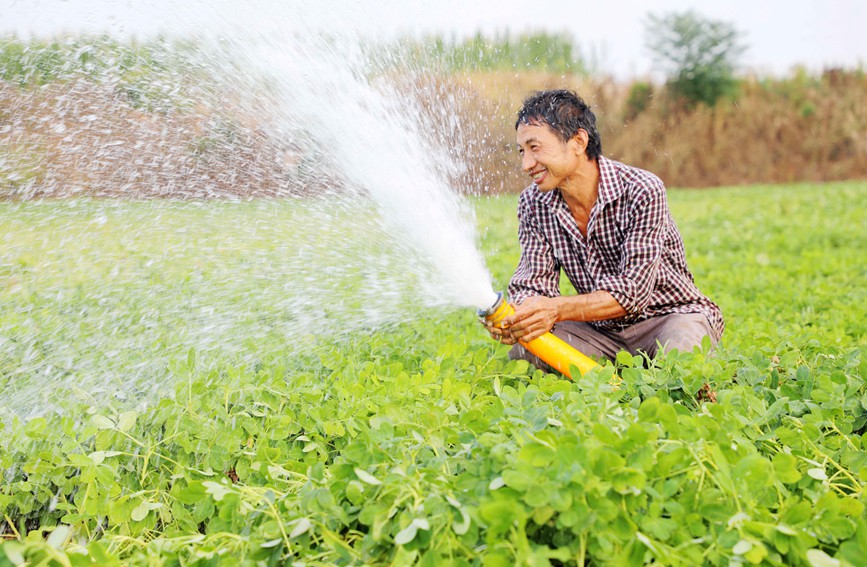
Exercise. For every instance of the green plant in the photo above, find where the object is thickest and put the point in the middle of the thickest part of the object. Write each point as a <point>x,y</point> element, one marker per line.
<point>699,55</point>
<point>147,74</point>
<point>417,441</point>
<point>551,52</point>
<point>640,93</point>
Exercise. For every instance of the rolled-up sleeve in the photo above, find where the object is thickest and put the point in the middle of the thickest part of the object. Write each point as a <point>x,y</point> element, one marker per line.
<point>634,284</point>
<point>538,272</point>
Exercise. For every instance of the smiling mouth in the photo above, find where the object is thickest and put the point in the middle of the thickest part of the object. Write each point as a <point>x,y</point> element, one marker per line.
<point>538,175</point>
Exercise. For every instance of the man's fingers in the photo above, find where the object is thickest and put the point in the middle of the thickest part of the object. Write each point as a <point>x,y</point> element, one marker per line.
<point>529,330</point>
<point>502,335</point>
<point>505,335</point>
<point>533,335</point>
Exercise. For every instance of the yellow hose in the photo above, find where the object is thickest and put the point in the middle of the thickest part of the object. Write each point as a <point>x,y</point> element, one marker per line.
<point>556,352</point>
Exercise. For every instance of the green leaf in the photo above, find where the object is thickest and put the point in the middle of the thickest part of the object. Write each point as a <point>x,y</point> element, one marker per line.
<point>536,454</point>
<point>462,527</point>
<point>754,470</point>
<point>97,457</point>
<point>217,490</point>
<point>58,537</point>
<point>366,477</point>
<point>817,473</point>
<point>14,552</point>
<point>649,409</point>
<point>140,512</point>
<point>742,547</point>
<point>406,535</point>
<point>520,480</point>
<point>192,493</point>
<point>355,492</point>
<point>101,422</point>
<point>818,558</point>
<point>756,554</point>
<point>302,525</point>
<point>36,427</point>
<point>126,421</point>
<point>786,468</point>
<point>500,514</point>
<point>79,460</point>
<point>625,359</point>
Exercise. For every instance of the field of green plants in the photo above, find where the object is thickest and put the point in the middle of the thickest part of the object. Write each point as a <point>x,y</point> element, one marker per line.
<point>418,442</point>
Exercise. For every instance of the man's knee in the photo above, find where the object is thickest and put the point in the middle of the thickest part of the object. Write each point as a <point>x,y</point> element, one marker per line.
<point>588,340</point>
<point>685,332</point>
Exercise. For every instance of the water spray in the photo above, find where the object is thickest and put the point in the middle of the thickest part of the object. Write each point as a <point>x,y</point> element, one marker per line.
<point>553,350</point>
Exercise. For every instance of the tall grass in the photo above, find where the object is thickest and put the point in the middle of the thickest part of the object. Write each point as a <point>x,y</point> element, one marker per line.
<point>802,127</point>
<point>780,130</point>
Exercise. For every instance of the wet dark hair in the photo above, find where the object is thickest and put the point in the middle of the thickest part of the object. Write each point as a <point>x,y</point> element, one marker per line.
<point>564,112</point>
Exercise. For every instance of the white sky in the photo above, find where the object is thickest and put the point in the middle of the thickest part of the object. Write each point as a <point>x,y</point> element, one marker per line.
<point>779,34</point>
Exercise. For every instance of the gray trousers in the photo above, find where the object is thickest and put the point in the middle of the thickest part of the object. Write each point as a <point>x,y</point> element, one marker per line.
<point>681,331</point>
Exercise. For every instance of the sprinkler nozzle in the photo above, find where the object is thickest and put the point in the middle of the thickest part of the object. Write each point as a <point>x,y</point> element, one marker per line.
<point>493,308</point>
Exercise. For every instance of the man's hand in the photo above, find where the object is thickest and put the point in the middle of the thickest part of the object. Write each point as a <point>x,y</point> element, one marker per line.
<point>537,315</point>
<point>533,318</point>
<point>500,335</point>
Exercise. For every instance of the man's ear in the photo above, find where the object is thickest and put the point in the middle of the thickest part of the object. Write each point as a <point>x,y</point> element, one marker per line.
<point>582,139</point>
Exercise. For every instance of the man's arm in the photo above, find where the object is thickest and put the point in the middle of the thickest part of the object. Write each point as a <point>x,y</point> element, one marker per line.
<point>537,315</point>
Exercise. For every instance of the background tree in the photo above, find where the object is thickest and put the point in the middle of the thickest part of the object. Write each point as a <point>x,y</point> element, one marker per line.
<point>698,55</point>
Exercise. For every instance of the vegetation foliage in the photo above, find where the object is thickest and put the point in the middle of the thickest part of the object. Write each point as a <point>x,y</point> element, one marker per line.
<point>699,55</point>
<point>770,134</point>
<point>552,52</point>
<point>152,116</point>
<point>421,444</point>
<point>196,136</point>
<point>149,74</point>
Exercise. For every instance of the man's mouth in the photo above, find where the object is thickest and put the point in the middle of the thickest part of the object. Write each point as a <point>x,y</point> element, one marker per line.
<point>538,175</point>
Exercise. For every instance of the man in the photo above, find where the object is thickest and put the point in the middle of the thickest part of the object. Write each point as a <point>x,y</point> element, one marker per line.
<point>609,228</point>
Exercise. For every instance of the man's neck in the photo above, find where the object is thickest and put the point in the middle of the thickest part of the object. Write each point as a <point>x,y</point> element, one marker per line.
<point>582,188</point>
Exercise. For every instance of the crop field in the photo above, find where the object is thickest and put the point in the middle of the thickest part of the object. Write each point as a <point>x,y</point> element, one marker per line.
<point>171,399</point>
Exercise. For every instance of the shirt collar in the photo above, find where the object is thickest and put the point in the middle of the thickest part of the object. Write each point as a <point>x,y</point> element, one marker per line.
<point>550,198</point>
<point>610,186</point>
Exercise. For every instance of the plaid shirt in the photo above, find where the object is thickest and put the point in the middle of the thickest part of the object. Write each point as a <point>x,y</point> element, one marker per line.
<point>633,249</point>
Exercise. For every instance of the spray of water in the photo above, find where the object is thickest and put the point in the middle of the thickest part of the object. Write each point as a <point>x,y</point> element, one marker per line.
<point>373,135</point>
<point>117,292</point>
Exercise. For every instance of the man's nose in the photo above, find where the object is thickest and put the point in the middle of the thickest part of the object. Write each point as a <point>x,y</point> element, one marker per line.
<point>527,161</point>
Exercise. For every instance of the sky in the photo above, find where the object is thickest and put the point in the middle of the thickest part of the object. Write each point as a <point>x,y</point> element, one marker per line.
<point>779,34</point>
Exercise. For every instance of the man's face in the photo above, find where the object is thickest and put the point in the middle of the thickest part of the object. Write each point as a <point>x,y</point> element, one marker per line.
<point>545,157</point>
